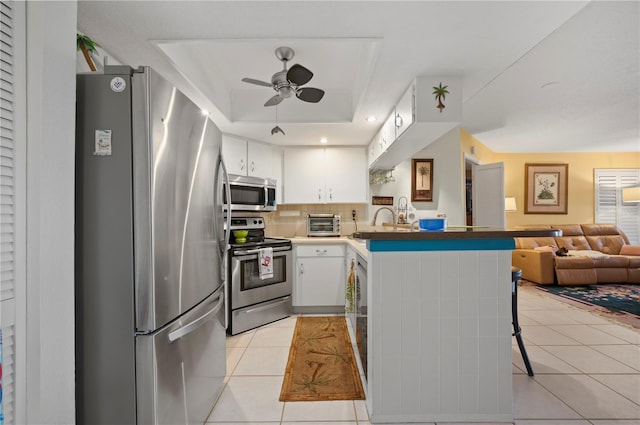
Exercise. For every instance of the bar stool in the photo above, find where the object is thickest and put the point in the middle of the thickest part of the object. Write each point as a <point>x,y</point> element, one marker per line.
<point>516,274</point>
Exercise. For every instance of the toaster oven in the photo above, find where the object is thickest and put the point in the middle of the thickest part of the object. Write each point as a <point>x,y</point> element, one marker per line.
<point>323,225</point>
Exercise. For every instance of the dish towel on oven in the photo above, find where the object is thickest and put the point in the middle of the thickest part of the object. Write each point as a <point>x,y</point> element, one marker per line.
<point>265,261</point>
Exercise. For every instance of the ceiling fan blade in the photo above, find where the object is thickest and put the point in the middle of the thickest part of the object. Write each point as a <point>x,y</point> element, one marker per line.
<point>274,100</point>
<point>258,82</point>
<point>310,94</point>
<point>299,75</point>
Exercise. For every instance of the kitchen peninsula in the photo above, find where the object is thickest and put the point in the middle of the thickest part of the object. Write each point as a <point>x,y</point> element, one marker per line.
<point>439,325</point>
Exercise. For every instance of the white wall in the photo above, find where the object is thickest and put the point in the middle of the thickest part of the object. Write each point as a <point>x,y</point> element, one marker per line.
<point>448,187</point>
<point>51,67</point>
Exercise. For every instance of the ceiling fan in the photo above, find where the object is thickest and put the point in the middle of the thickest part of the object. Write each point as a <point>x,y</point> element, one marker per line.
<point>286,83</point>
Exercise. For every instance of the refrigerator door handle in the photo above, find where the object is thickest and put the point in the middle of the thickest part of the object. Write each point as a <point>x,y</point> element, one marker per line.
<point>228,193</point>
<point>227,235</point>
<point>192,326</point>
<point>222,250</point>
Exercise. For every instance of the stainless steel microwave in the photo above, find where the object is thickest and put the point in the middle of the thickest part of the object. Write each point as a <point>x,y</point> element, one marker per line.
<point>251,193</point>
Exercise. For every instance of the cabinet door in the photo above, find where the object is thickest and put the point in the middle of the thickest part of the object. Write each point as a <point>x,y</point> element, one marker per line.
<point>234,153</point>
<point>320,281</point>
<point>405,111</point>
<point>373,151</point>
<point>346,175</point>
<point>388,134</point>
<point>259,160</point>
<point>304,175</point>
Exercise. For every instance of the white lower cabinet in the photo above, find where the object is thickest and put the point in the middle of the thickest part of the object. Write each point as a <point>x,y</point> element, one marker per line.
<point>319,280</point>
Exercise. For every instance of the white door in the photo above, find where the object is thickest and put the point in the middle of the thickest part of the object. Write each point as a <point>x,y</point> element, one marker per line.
<point>488,195</point>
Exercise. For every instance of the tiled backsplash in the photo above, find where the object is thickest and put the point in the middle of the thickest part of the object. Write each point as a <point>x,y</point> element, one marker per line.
<point>291,219</point>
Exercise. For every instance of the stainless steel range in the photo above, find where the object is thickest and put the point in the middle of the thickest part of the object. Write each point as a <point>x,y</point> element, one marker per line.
<point>257,300</point>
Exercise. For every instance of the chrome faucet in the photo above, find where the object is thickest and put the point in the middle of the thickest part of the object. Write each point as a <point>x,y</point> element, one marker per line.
<point>393,217</point>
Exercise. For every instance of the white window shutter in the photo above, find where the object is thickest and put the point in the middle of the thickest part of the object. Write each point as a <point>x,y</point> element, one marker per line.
<point>608,199</point>
<point>7,212</point>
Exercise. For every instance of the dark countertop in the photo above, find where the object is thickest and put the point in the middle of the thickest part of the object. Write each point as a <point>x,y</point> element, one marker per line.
<point>455,233</point>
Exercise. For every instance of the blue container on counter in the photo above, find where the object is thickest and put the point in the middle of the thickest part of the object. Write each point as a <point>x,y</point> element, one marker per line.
<point>432,224</point>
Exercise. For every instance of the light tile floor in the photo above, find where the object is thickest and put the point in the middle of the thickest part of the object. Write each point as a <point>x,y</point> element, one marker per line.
<point>587,372</point>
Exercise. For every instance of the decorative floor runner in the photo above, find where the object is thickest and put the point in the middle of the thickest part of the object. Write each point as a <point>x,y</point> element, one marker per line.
<point>321,363</point>
<point>618,301</point>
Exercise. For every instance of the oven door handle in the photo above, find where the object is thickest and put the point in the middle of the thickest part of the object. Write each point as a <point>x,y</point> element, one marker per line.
<point>255,251</point>
<point>269,305</point>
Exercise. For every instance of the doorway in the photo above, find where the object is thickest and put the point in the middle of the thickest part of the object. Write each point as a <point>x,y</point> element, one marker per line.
<point>484,193</point>
<point>469,162</point>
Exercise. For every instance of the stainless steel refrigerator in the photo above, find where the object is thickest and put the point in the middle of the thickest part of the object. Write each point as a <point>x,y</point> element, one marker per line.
<point>150,252</point>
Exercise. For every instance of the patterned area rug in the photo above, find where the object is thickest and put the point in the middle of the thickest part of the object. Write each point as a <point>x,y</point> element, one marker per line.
<point>321,363</point>
<point>617,301</point>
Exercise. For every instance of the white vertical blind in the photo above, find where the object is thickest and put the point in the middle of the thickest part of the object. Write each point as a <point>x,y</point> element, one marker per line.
<point>7,211</point>
<point>609,183</point>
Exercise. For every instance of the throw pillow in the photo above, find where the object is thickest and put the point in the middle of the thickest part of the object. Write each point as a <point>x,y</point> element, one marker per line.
<point>630,250</point>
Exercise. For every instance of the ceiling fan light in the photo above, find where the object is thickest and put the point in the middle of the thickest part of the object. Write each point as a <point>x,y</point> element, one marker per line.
<point>276,130</point>
<point>285,91</point>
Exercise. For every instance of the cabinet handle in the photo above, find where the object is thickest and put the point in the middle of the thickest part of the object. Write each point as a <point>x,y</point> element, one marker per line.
<point>301,268</point>
<point>253,166</point>
<point>319,194</point>
<point>242,164</point>
<point>321,251</point>
<point>330,195</point>
<point>399,121</point>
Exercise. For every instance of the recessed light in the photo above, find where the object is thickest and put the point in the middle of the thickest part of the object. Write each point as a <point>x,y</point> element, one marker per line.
<point>371,119</point>
<point>323,140</point>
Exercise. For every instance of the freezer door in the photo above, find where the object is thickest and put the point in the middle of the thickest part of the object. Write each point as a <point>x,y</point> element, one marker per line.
<point>175,154</point>
<point>180,369</point>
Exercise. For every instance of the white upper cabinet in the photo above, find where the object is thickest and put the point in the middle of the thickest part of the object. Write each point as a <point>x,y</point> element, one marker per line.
<point>260,160</point>
<point>416,121</point>
<point>249,158</point>
<point>388,133</point>
<point>234,153</point>
<point>303,175</point>
<point>405,111</point>
<point>397,122</point>
<point>374,149</point>
<point>346,174</point>
<point>324,175</point>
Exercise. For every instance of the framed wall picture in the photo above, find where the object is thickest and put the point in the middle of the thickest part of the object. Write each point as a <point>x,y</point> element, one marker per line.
<point>421,180</point>
<point>545,188</point>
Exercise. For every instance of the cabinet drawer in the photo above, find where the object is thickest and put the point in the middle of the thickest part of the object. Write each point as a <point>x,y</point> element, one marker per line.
<point>320,251</point>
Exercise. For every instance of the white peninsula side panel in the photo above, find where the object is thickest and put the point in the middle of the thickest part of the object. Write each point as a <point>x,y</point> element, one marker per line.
<point>439,336</point>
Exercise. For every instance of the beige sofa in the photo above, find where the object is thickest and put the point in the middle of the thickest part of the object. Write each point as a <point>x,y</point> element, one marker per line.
<point>598,253</point>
